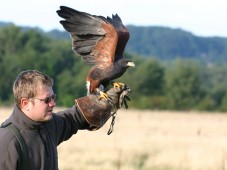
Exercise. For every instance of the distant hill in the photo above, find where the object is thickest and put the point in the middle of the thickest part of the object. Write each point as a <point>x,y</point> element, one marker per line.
<point>3,24</point>
<point>165,43</point>
<point>168,43</point>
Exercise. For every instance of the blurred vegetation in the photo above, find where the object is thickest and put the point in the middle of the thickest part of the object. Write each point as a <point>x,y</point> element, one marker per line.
<point>177,84</point>
<point>167,43</point>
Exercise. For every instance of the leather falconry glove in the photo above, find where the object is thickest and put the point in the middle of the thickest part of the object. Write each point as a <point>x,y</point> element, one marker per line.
<point>97,111</point>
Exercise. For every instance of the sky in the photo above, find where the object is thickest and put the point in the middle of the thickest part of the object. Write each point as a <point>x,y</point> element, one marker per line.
<point>200,17</point>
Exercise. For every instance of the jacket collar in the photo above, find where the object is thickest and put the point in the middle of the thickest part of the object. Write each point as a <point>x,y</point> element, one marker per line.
<point>22,121</point>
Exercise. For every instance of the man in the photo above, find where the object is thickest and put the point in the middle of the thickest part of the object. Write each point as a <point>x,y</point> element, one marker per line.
<point>44,130</point>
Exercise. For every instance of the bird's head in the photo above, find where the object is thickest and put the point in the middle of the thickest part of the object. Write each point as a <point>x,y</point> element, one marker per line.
<point>125,63</point>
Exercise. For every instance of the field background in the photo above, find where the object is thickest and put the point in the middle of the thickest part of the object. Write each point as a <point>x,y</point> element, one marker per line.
<point>148,140</point>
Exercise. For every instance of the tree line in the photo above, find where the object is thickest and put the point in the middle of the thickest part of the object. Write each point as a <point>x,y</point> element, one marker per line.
<point>179,84</point>
<point>167,43</point>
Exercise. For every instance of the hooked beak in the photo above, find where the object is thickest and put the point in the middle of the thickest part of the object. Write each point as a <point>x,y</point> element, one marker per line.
<point>131,64</point>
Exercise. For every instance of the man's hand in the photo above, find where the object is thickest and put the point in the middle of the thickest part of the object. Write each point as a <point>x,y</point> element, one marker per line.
<point>97,112</point>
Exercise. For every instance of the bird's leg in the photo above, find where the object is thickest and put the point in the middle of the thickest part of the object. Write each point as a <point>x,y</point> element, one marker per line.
<point>102,95</point>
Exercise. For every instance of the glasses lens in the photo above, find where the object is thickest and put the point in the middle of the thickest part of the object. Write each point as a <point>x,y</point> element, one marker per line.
<point>50,98</point>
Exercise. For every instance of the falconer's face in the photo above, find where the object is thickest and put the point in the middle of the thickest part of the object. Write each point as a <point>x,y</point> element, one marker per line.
<point>40,107</point>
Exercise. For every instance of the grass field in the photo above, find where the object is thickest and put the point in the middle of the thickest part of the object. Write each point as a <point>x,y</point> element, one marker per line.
<point>149,140</point>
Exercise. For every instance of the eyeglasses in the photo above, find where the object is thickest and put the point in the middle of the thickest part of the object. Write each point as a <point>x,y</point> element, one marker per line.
<point>48,99</point>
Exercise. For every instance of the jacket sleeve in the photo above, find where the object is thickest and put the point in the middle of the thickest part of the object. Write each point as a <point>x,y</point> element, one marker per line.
<point>66,123</point>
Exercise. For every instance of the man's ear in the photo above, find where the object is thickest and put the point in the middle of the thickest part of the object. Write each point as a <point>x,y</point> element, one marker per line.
<point>24,102</point>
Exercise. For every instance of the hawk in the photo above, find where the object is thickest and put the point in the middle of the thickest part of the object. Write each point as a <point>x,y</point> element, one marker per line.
<point>99,41</point>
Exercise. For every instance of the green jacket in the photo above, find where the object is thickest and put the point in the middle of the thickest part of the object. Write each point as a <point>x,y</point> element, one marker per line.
<point>42,139</point>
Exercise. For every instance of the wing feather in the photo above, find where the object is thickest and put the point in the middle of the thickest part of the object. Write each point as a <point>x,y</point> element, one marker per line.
<point>123,35</point>
<point>93,37</point>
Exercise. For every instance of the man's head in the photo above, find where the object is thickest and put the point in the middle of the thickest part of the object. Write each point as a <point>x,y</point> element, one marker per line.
<point>34,95</point>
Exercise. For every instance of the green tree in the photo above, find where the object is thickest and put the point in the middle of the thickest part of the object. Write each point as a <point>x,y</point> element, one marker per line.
<point>146,82</point>
<point>183,86</point>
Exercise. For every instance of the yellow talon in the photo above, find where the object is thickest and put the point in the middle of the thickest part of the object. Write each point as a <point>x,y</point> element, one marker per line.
<point>118,85</point>
<point>103,95</point>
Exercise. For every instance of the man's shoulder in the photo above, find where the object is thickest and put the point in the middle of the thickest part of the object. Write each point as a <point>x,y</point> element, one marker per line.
<point>9,146</point>
<point>8,142</point>
<point>6,136</point>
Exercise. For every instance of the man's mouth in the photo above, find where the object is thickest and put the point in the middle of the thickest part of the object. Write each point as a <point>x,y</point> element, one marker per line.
<point>50,111</point>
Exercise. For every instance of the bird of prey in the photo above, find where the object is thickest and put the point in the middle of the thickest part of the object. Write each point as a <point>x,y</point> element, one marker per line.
<point>99,41</point>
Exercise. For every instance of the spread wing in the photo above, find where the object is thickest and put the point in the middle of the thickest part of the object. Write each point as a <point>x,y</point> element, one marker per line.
<point>93,37</point>
<point>123,35</point>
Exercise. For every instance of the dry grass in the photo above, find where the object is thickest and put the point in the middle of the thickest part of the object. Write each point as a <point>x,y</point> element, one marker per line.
<point>149,140</point>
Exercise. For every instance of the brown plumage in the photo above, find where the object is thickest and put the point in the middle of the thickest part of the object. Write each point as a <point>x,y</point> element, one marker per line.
<point>100,41</point>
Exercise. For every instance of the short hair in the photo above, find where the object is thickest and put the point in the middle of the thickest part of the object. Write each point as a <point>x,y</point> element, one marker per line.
<point>27,82</point>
